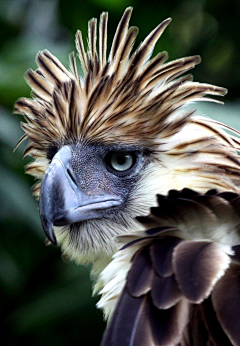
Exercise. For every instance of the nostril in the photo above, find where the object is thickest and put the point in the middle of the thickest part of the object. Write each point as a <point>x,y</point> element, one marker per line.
<point>71,175</point>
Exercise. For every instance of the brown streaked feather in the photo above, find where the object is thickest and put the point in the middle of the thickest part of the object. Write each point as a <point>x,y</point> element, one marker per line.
<point>81,52</point>
<point>93,62</point>
<point>172,70</point>
<point>40,85</point>
<point>103,39</point>
<point>120,62</point>
<point>146,48</point>
<point>60,107</point>
<point>121,33</point>
<point>232,140</point>
<point>36,190</point>
<point>150,69</point>
<point>21,140</point>
<point>73,65</point>
<point>74,111</point>
<point>229,128</point>
<point>92,38</point>
<point>33,151</point>
<point>52,68</point>
<point>35,167</point>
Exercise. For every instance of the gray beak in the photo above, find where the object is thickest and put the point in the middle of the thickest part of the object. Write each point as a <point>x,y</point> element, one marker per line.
<point>62,202</point>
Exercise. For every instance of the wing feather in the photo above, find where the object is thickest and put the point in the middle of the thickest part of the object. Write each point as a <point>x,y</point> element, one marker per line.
<point>184,289</point>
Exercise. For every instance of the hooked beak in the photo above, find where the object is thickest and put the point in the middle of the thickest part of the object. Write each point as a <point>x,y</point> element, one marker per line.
<point>62,202</point>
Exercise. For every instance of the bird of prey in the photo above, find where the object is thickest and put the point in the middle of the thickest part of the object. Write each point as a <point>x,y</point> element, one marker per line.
<point>104,144</point>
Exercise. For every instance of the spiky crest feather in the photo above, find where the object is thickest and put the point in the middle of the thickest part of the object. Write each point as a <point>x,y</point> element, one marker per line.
<point>128,99</point>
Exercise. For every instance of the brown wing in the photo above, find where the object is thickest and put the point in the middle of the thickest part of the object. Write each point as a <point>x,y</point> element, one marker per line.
<point>183,286</point>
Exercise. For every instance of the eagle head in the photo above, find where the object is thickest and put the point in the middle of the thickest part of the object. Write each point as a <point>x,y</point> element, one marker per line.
<point>90,192</point>
<point>104,143</point>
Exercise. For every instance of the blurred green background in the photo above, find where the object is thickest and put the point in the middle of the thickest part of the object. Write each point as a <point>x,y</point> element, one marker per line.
<point>45,301</point>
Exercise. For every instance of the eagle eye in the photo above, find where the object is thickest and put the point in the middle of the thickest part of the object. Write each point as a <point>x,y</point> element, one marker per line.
<point>120,162</point>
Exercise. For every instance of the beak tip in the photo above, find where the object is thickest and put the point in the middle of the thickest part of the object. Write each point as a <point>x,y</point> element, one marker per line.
<point>49,231</point>
<point>53,239</point>
<point>51,236</point>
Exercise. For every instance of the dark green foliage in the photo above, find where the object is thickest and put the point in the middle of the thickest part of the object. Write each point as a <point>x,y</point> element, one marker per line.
<point>45,301</point>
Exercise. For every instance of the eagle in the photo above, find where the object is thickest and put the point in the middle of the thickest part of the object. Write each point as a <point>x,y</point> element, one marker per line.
<point>132,180</point>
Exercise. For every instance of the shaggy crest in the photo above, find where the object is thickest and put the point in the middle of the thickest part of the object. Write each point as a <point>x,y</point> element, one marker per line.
<point>127,98</point>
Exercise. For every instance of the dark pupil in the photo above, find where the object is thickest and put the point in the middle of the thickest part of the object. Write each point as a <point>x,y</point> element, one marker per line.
<point>121,159</point>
